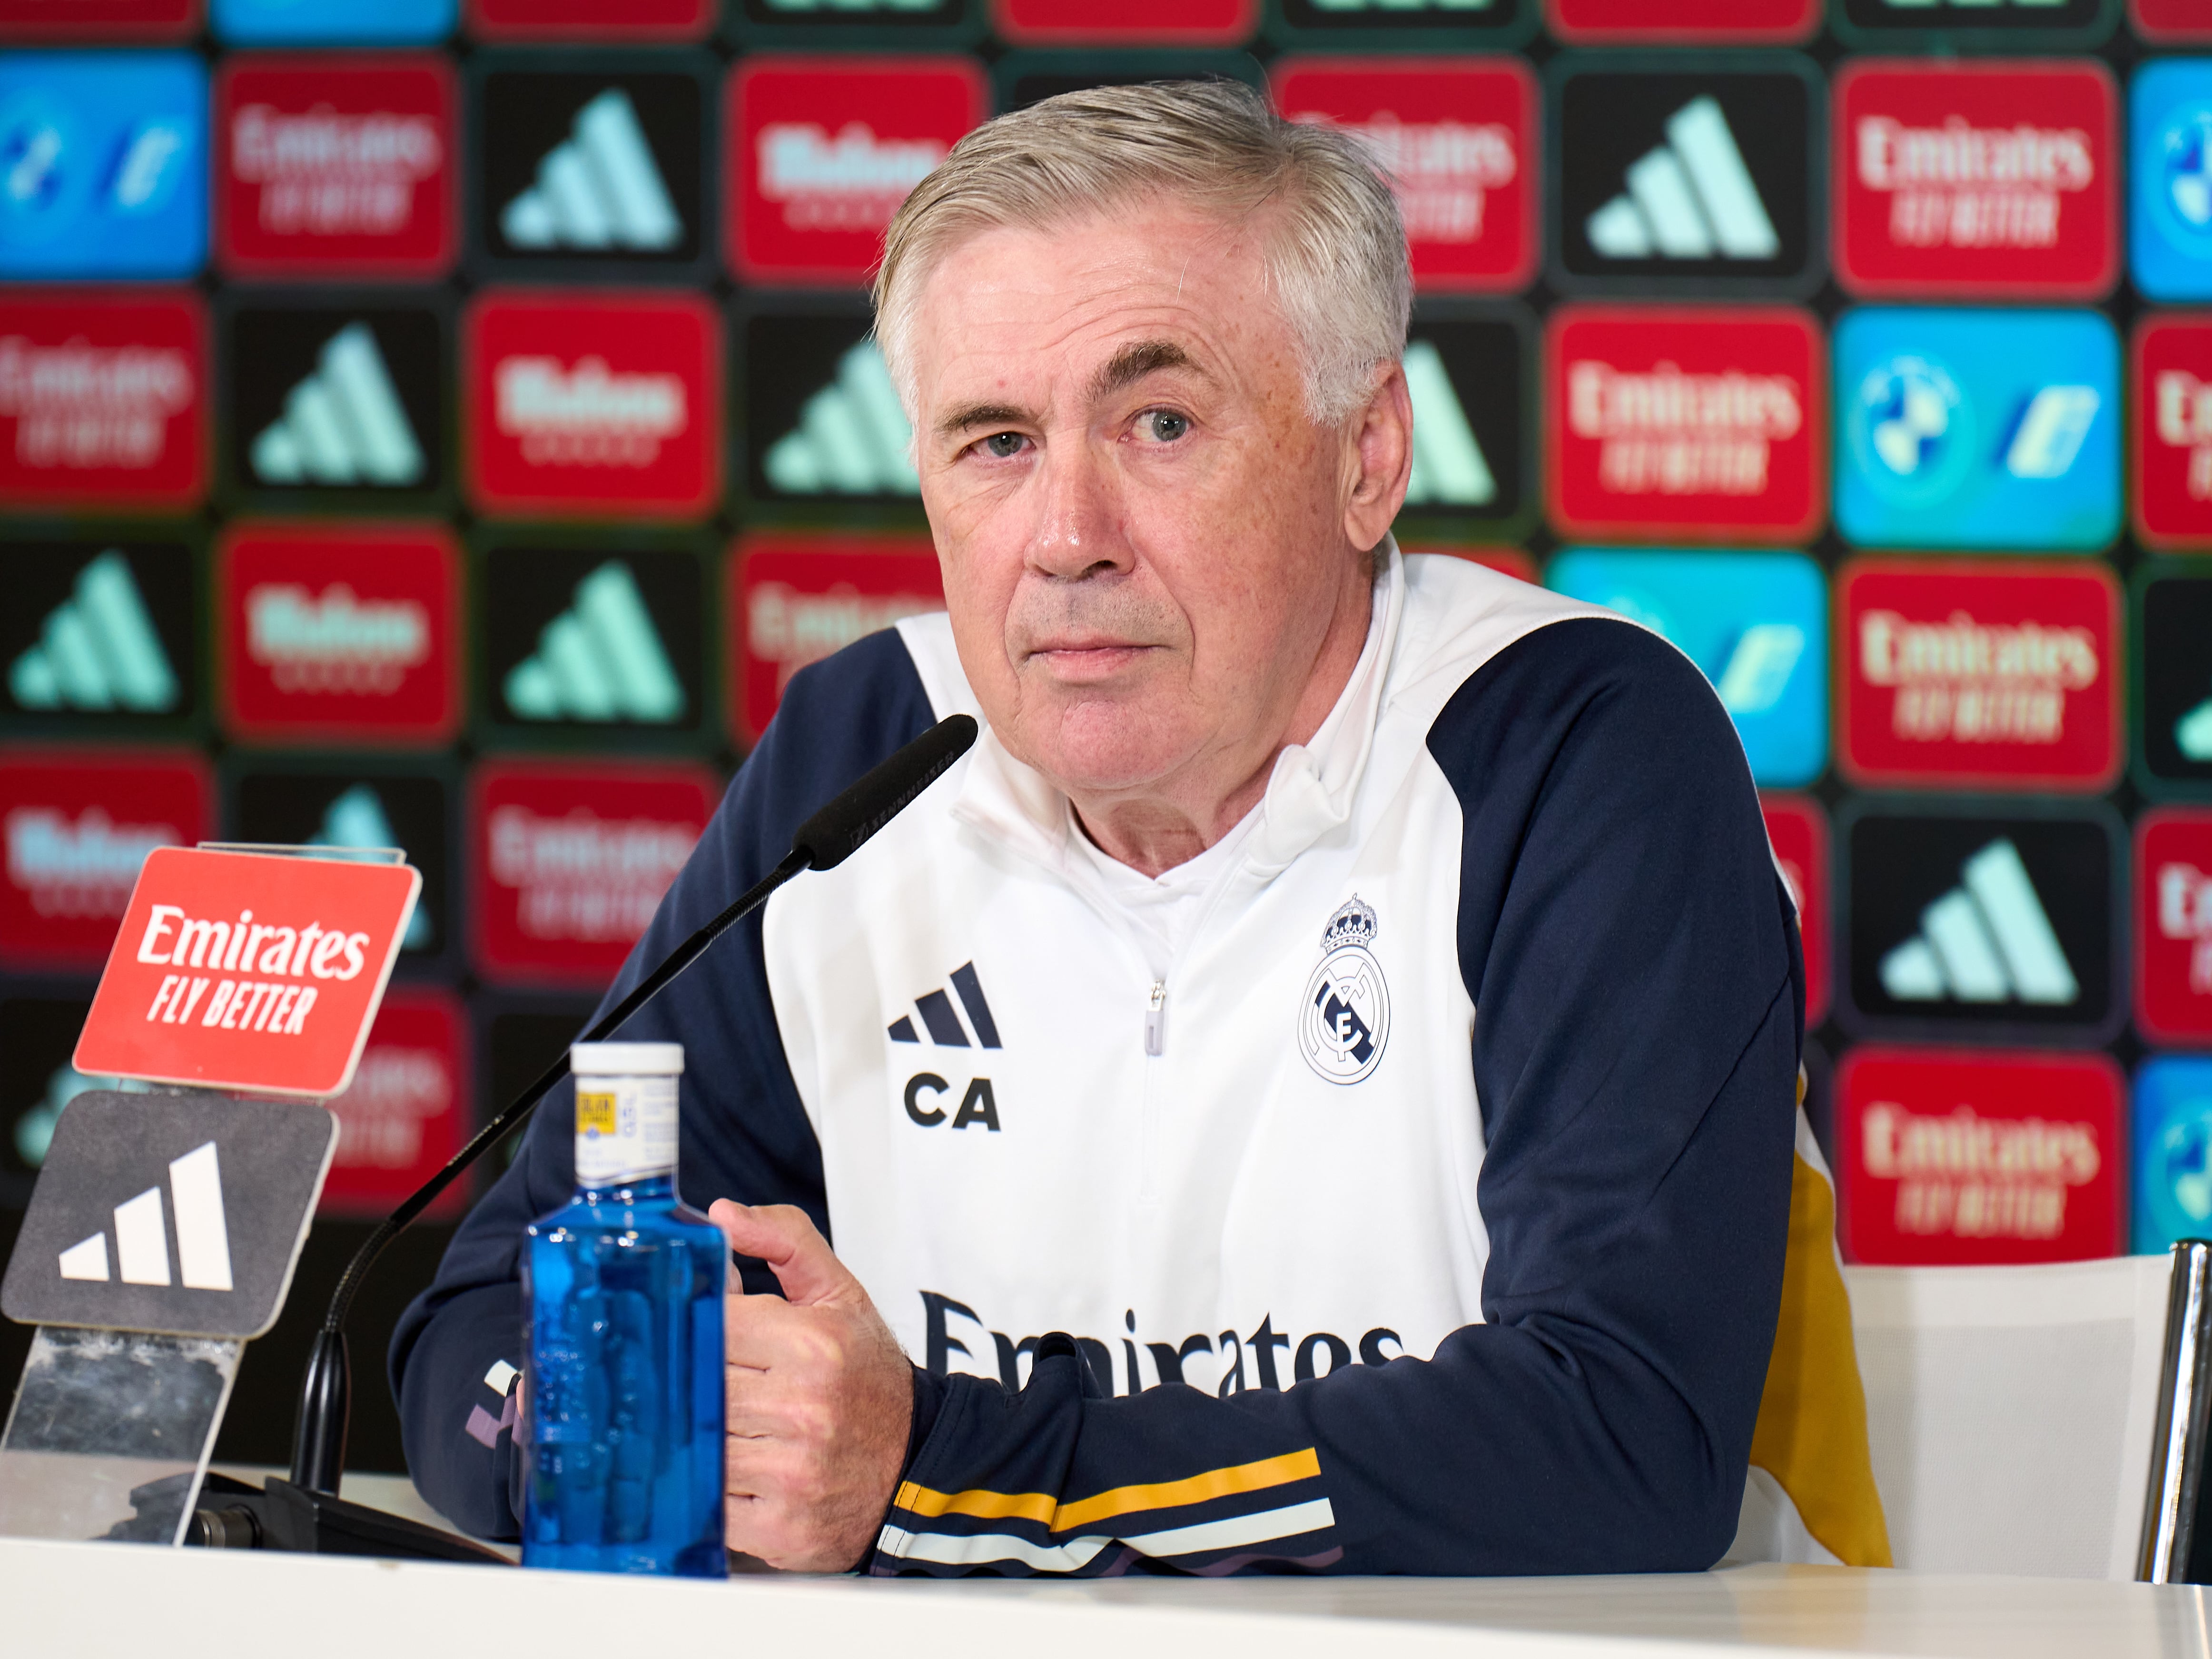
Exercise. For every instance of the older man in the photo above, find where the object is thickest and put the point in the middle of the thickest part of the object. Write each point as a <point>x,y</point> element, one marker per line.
<point>1315,1087</point>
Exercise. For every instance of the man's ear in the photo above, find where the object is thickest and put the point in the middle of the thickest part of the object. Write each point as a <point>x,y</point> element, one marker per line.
<point>1380,461</point>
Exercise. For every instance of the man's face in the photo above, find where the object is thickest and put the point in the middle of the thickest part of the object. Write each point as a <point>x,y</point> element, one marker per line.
<point>1143,534</point>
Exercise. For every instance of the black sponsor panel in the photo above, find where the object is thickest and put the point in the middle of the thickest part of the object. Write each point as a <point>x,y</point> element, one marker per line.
<point>1946,25</point>
<point>2173,657</point>
<point>1967,923</point>
<point>1471,371</point>
<point>821,426</point>
<point>100,634</point>
<point>1699,174</point>
<point>1023,78</point>
<point>340,403</point>
<point>39,1027</point>
<point>518,1038</point>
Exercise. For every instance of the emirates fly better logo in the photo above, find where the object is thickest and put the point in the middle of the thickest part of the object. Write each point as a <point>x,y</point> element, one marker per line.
<point>102,401</point>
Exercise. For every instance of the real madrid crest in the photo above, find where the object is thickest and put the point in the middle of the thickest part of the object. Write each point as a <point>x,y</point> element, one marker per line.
<point>1345,1019</point>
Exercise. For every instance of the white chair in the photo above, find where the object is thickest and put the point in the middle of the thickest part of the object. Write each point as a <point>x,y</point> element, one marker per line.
<point>2045,1420</point>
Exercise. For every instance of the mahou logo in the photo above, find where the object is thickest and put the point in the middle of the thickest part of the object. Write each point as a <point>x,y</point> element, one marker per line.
<point>1980,673</point>
<point>823,150</point>
<point>1998,180</point>
<point>329,166</point>
<point>2173,459</point>
<point>795,600</point>
<point>600,402</point>
<point>2174,925</point>
<point>570,863</point>
<point>1668,420</point>
<point>339,634</point>
<point>102,401</point>
<point>75,832</point>
<point>1457,138</point>
<point>1954,1159</point>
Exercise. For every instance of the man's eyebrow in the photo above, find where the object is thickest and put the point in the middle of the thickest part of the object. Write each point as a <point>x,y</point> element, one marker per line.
<point>975,415</point>
<point>1132,363</point>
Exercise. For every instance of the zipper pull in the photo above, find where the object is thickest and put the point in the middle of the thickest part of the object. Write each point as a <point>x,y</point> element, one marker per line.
<point>1156,1020</point>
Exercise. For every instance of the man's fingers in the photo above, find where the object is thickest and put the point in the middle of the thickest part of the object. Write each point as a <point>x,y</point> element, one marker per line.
<point>786,1240</point>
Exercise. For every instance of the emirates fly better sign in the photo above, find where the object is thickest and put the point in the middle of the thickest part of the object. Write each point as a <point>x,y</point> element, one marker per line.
<point>249,971</point>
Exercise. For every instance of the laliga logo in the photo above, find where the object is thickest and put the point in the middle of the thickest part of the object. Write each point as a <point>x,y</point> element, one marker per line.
<point>1346,1017</point>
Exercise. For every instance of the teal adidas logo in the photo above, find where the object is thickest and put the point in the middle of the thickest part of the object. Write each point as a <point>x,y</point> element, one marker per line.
<point>852,438</point>
<point>356,819</point>
<point>1448,467</point>
<point>343,424</point>
<point>599,661</point>
<point>98,651</point>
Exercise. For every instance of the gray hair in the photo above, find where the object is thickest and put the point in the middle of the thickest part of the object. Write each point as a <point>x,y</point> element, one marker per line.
<point>1337,261</point>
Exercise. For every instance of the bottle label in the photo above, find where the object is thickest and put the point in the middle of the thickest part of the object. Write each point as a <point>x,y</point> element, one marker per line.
<point>625,1129</point>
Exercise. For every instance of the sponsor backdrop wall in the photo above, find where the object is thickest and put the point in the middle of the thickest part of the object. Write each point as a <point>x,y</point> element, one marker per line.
<point>451,429</point>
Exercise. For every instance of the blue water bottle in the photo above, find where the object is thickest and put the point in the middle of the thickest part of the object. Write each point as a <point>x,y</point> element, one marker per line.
<point>622,1421</point>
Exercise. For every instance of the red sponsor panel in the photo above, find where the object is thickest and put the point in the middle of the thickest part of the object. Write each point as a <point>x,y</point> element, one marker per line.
<point>253,971</point>
<point>1798,831</point>
<point>1682,22</point>
<point>1951,1159</point>
<point>103,400</point>
<point>2174,925</point>
<point>2172,430</point>
<point>1991,179</point>
<point>795,599</point>
<point>1459,136</point>
<point>1126,23</point>
<point>1980,673</point>
<point>339,632</point>
<point>408,1109</point>
<point>568,862</point>
<point>589,20</point>
<point>335,165</point>
<point>77,829</point>
<point>1666,420</point>
<point>104,21</point>
<point>2171,19</point>
<point>823,150</point>
<point>594,403</point>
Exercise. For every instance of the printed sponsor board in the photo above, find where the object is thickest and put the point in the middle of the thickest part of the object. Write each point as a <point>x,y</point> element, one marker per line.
<point>2170,19</point>
<point>1980,674</point>
<point>1949,25</point>
<point>1446,25</point>
<point>1023,78</point>
<point>822,420</point>
<point>850,23</point>
<point>1797,829</point>
<point>2172,1185</point>
<point>2174,925</point>
<point>100,634</point>
<point>1675,420</point>
<point>38,1033</point>
<point>409,1108</point>
<point>1955,1159</point>
<point>335,401</point>
<point>2173,659</point>
<point>337,22</point>
<point>1993,180</point>
<point>1996,429</point>
<point>594,641</point>
<point>823,150</point>
<point>1459,137</point>
<point>593,403</point>
<point>1125,22</point>
<point>103,400</point>
<point>1969,920</point>
<point>106,164</point>
<point>601,170</point>
<point>2171,452</point>
<point>336,165</point>
<point>77,830</point>
<point>569,861</point>
<point>1756,624</point>
<point>1470,376</point>
<point>796,599</point>
<point>101,20</point>
<point>1696,174</point>
<point>1685,22</point>
<point>2170,178</point>
<point>588,19</point>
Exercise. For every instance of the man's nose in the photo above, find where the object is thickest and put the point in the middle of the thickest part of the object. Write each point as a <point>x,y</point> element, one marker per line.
<point>1078,530</point>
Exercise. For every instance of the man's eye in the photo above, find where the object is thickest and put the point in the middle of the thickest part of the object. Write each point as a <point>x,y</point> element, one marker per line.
<point>1164,426</point>
<point>1004,444</point>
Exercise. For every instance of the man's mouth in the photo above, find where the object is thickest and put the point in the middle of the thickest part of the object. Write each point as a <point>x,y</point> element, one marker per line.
<point>1086,659</point>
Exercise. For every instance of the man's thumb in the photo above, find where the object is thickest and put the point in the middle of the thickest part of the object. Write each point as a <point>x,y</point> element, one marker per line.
<point>786,1240</point>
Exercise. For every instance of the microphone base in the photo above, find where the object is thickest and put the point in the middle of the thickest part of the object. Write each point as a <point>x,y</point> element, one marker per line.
<point>279,1515</point>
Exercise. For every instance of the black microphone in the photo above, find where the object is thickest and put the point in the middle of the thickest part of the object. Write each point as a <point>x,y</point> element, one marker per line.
<point>823,842</point>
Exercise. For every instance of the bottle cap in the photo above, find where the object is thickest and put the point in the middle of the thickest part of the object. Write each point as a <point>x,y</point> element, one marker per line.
<point>626,1059</point>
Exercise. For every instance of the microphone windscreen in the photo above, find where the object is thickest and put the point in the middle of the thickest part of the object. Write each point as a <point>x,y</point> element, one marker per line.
<point>839,829</point>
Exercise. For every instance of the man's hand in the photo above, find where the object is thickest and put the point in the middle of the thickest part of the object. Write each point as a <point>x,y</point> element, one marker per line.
<point>820,1398</point>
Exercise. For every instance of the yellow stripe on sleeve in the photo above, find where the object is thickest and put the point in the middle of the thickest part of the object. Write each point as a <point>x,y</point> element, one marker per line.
<point>1121,1500</point>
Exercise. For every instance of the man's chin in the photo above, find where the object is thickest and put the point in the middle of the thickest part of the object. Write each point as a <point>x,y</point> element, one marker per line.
<point>1105,747</point>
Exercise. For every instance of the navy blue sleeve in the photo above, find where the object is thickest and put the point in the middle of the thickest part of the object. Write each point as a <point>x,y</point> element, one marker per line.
<point>1633,959</point>
<point>743,1131</point>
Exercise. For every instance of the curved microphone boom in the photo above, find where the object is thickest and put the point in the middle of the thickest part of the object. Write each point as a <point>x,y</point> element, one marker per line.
<point>823,842</point>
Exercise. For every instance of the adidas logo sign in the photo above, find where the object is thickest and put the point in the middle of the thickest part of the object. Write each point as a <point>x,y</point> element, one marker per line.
<point>1987,940</point>
<point>141,1245</point>
<point>601,659</point>
<point>1448,468</point>
<point>98,650</point>
<point>943,1025</point>
<point>1691,198</point>
<point>598,189</point>
<point>852,438</point>
<point>343,424</point>
<point>357,819</point>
